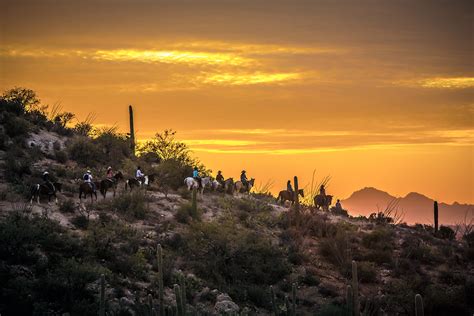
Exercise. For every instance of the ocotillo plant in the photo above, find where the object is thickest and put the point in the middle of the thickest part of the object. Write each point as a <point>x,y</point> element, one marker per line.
<point>355,290</point>
<point>435,211</point>
<point>159,254</point>
<point>102,296</point>
<point>419,310</point>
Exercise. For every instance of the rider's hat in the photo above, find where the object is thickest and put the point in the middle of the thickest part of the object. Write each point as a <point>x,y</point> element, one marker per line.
<point>219,171</point>
<point>46,172</point>
<point>243,171</point>
<point>88,171</point>
<point>109,168</point>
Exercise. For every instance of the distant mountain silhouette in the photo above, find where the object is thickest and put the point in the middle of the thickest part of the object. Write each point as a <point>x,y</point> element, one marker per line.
<point>417,207</point>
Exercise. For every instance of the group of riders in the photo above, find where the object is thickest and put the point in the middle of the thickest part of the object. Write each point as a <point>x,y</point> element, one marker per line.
<point>140,178</point>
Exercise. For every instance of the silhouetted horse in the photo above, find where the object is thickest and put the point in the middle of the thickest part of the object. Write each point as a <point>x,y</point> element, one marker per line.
<point>86,188</point>
<point>133,182</point>
<point>106,184</point>
<point>37,190</point>
<point>229,186</point>
<point>285,195</point>
<point>323,201</point>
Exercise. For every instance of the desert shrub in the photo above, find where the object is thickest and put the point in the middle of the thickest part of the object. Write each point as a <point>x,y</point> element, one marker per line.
<point>333,310</point>
<point>83,151</point>
<point>231,257</point>
<point>61,156</point>
<point>172,173</point>
<point>310,277</point>
<point>337,250</point>
<point>380,245</point>
<point>366,272</point>
<point>115,147</point>
<point>67,206</point>
<point>446,300</point>
<point>80,221</point>
<point>446,232</point>
<point>186,213</point>
<point>133,205</point>
<point>415,249</point>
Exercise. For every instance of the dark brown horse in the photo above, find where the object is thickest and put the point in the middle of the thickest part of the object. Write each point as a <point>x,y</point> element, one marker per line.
<point>86,188</point>
<point>323,201</point>
<point>285,195</point>
<point>49,190</point>
<point>134,182</point>
<point>106,184</point>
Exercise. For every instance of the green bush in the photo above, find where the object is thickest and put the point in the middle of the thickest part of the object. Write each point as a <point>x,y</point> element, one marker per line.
<point>67,206</point>
<point>133,205</point>
<point>446,232</point>
<point>83,151</point>
<point>80,221</point>
<point>186,213</point>
<point>337,250</point>
<point>235,258</point>
<point>366,272</point>
<point>61,156</point>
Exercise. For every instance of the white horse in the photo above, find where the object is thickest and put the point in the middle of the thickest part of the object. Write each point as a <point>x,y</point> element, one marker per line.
<point>192,183</point>
<point>216,185</point>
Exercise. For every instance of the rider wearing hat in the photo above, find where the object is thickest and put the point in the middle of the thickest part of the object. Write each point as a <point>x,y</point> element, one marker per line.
<point>289,188</point>
<point>196,176</point>
<point>220,178</point>
<point>110,173</point>
<point>87,177</point>
<point>140,175</point>
<point>244,180</point>
<point>47,180</point>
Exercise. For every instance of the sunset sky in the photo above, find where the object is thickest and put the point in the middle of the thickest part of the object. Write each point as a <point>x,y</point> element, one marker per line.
<point>372,93</point>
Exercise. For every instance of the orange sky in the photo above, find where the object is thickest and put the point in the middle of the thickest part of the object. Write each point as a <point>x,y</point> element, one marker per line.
<point>373,93</point>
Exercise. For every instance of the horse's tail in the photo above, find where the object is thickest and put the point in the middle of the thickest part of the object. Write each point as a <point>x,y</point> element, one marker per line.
<point>278,197</point>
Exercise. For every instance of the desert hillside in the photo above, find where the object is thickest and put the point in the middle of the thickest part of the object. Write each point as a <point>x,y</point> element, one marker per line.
<point>163,250</point>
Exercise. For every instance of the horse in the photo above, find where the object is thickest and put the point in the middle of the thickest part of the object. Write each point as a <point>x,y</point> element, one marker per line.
<point>192,183</point>
<point>37,190</point>
<point>285,195</point>
<point>86,188</point>
<point>241,188</point>
<point>323,201</point>
<point>216,185</point>
<point>229,186</point>
<point>106,184</point>
<point>134,182</point>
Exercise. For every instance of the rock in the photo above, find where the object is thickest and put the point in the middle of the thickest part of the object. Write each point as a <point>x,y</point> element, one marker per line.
<point>225,305</point>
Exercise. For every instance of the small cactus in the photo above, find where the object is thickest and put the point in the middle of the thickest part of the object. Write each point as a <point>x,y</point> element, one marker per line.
<point>274,305</point>
<point>287,306</point>
<point>194,202</point>
<point>435,213</point>
<point>159,254</point>
<point>355,289</point>
<point>293,299</point>
<point>419,310</point>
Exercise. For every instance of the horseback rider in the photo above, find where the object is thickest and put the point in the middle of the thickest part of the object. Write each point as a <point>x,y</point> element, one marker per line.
<point>289,188</point>
<point>196,176</point>
<point>140,175</point>
<point>220,178</point>
<point>322,192</point>
<point>87,177</point>
<point>47,181</point>
<point>338,205</point>
<point>244,180</point>
<point>110,174</point>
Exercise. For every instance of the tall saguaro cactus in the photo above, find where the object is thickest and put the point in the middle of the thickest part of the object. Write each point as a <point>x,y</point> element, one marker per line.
<point>355,289</point>
<point>194,202</point>
<point>274,304</point>
<point>296,198</point>
<point>349,300</point>
<point>293,299</point>
<point>132,129</point>
<point>419,310</point>
<point>159,254</point>
<point>435,213</point>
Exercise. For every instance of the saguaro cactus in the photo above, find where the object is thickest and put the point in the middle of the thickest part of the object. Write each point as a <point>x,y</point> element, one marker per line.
<point>419,310</point>
<point>102,295</point>
<point>296,198</point>
<point>194,202</point>
<point>435,213</point>
<point>355,289</point>
<point>349,300</point>
<point>132,129</point>
<point>182,282</point>
<point>179,300</point>
<point>159,254</point>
